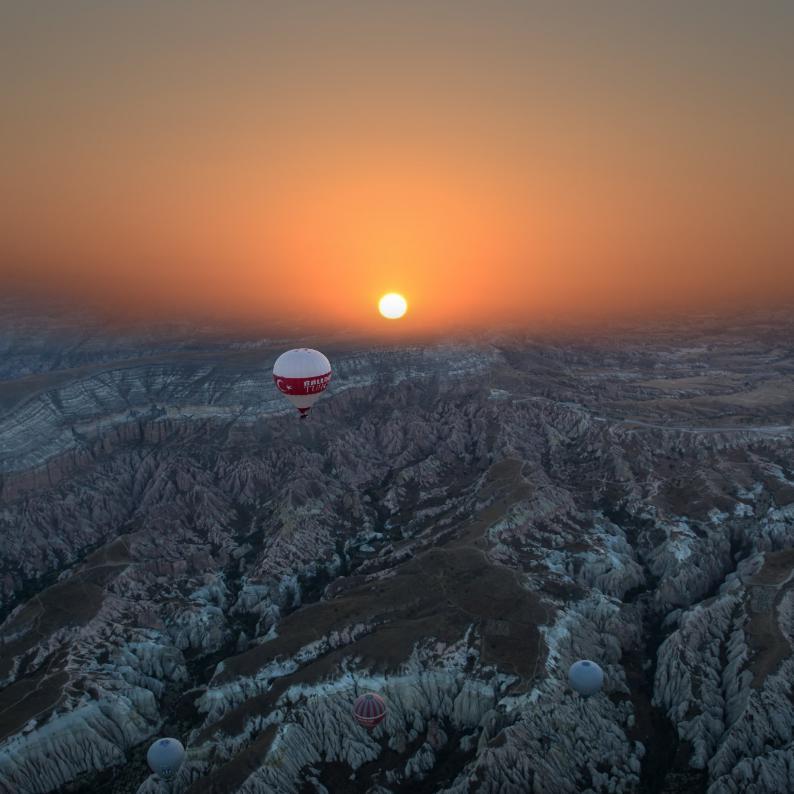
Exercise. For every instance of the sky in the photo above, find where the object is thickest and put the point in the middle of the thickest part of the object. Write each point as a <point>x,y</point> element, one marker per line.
<point>493,161</point>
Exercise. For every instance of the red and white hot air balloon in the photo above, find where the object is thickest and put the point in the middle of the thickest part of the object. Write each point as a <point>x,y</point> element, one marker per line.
<point>369,710</point>
<point>302,375</point>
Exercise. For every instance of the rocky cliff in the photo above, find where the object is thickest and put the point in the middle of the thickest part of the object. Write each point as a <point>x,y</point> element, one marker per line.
<point>454,525</point>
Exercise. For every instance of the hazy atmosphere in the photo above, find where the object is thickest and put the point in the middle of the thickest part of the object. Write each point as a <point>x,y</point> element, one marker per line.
<point>396,397</point>
<point>499,161</point>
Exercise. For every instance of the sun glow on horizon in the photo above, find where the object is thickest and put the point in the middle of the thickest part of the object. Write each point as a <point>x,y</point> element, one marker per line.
<point>286,164</point>
<point>392,306</point>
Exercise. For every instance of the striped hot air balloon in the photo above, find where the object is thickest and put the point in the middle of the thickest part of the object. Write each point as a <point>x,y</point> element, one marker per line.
<point>302,375</point>
<point>369,710</point>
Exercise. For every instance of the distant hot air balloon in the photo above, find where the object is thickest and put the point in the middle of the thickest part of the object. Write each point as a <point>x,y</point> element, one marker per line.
<point>302,375</point>
<point>369,710</point>
<point>165,757</point>
<point>586,677</point>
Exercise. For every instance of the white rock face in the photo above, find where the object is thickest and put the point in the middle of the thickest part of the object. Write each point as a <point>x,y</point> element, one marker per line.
<point>90,737</point>
<point>729,701</point>
<point>323,730</point>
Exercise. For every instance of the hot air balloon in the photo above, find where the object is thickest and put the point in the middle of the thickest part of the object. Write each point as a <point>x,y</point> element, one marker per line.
<point>369,710</point>
<point>302,375</point>
<point>586,677</point>
<point>165,757</point>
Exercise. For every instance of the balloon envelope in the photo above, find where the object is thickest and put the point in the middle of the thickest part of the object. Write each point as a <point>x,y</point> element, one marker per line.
<point>586,677</point>
<point>369,710</point>
<point>165,757</point>
<point>302,375</point>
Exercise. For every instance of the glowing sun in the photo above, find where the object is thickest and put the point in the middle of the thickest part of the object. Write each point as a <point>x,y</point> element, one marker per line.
<point>392,306</point>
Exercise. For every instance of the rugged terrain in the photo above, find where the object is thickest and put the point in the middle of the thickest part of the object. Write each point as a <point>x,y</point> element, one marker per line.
<point>453,526</point>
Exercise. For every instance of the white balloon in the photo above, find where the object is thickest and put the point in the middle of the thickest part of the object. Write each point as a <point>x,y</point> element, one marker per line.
<point>586,677</point>
<point>165,757</point>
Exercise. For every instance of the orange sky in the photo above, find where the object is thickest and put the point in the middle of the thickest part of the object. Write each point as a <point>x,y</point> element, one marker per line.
<point>491,161</point>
